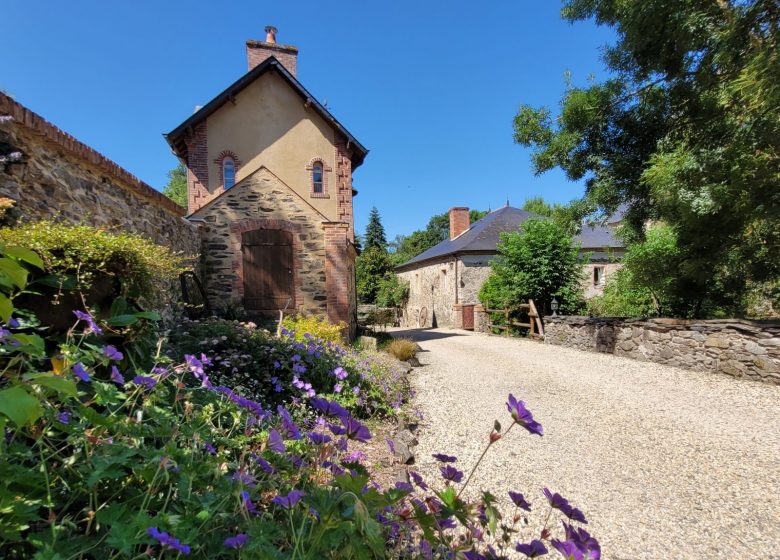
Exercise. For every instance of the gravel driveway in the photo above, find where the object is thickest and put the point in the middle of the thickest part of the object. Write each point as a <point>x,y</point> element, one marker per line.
<point>665,463</point>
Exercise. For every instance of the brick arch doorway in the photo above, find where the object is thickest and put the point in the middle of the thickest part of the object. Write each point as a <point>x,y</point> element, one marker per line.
<point>268,270</point>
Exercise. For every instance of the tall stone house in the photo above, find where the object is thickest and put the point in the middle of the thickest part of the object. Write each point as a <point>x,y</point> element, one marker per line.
<point>445,280</point>
<point>270,183</point>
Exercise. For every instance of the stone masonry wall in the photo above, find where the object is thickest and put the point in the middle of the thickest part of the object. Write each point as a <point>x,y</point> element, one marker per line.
<point>431,295</point>
<point>259,201</point>
<point>59,177</point>
<point>749,349</point>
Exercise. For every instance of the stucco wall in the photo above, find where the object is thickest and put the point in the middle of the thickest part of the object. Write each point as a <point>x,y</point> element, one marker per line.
<point>268,125</point>
<point>749,349</point>
<point>262,196</point>
<point>59,177</point>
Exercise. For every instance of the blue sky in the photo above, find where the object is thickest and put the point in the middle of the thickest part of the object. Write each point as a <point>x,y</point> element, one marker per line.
<point>429,87</point>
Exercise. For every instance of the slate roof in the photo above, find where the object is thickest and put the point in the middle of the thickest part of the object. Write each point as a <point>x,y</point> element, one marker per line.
<point>177,137</point>
<point>483,236</point>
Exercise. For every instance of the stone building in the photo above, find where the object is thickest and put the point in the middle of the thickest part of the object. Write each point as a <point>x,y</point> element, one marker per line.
<point>445,280</point>
<point>270,182</point>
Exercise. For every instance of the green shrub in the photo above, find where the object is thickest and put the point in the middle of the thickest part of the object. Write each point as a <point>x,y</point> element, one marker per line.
<point>313,325</point>
<point>402,348</point>
<point>623,298</point>
<point>83,252</point>
<point>392,291</point>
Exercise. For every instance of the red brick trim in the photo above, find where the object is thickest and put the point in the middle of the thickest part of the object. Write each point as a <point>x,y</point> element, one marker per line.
<point>339,284</point>
<point>219,160</point>
<point>239,227</point>
<point>197,167</point>
<point>34,122</point>
<point>344,187</point>
<point>326,169</point>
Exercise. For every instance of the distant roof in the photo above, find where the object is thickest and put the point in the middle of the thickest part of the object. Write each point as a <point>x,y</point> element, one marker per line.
<point>483,236</point>
<point>176,138</point>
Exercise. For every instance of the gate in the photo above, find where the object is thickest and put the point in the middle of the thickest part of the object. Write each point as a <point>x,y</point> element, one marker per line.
<point>268,274</point>
<point>468,317</point>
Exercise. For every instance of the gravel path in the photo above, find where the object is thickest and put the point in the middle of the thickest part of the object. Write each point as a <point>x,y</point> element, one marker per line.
<point>665,463</point>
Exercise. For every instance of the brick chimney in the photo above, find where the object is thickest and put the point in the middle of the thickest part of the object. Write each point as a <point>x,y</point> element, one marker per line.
<point>459,221</point>
<point>258,51</point>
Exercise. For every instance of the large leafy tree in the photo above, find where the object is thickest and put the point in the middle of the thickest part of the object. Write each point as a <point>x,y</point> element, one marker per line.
<point>685,131</point>
<point>176,189</point>
<point>375,232</point>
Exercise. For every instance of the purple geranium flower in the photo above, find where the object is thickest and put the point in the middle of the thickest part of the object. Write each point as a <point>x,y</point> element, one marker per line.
<point>63,417</point>
<point>519,500</point>
<point>418,480</point>
<point>288,426</point>
<point>265,465</point>
<point>449,472</point>
<point>196,365</point>
<point>352,429</point>
<point>290,499</point>
<point>318,438</point>
<point>583,541</point>
<point>243,477</point>
<point>117,377</point>
<point>568,550</point>
<point>210,448</point>
<point>560,503</point>
<point>275,442</point>
<point>328,408</point>
<point>92,326</point>
<point>522,415</point>
<point>147,383</point>
<point>168,540</point>
<point>236,542</point>
<point>112,353</point>
<point>247,502</point>
<point>444,458</point>
<point>340,373</point>
<point>80,372</point>
<point>532,549</point>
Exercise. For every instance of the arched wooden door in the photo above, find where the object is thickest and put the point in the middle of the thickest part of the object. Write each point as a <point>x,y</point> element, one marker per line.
<point>268,269</point>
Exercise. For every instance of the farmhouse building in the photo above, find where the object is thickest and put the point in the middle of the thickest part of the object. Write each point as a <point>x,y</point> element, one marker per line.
<point>445,280</point>
<point>270,181</point>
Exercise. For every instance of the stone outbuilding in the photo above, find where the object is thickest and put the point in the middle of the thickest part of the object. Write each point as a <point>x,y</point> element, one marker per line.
<point>445,280</point>
<point>270,182</point>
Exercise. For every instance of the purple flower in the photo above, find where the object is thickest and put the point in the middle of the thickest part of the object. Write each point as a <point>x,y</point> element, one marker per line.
<point>532,549</point>
<point>168,540</point>
<point>195,365</point>
<point>275,442</point>
<point>356,390</point>
<point>117,377</point>
<point>328,408</point>
<point>340,373</point>
<point>277,365</point>
<point>560,503</point>
<point>352,429</point>
<point>210,448</point>
<point>288,426</point>
<point>337,388</point>
<point>449,472</point>
<point>92,326</point>
<point>568,550</point>
<point>519,501</point>
<point>243,477</point>
<point>290,499</point>
<point>236,542</point>
<point>247,502</point>
<point>522,415</point>
<point>583,541</point>
<point>418,480</point>
<point>265,465</point>
<point>112,353</point>
<point>63,417</point>
<point>147,383</point>
<point>81,373</point>
<point>444,458</point>
<point>13,323</point>
<point>403,486</point>
<point>318,438</point>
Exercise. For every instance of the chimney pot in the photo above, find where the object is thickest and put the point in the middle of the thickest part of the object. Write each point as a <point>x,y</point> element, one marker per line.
<point>270,34</point>
<point>258,52</point>
<point>459,221</point>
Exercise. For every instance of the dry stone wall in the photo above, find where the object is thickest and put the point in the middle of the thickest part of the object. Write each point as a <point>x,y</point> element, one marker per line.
<point>749,349</point>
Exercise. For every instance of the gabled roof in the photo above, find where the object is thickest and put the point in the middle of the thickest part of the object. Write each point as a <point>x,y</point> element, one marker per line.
<point>176,137</point>
<point>483,236</point>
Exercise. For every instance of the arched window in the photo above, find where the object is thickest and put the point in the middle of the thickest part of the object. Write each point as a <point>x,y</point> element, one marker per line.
<point>228,172</point>
<point>316,177</point>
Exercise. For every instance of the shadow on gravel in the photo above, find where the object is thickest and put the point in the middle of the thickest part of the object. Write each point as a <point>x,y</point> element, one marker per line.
<point>420,335</point>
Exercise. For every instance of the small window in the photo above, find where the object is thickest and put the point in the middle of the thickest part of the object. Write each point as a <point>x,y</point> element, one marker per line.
<point>228,172</point>
<point>316,177</point>
<point>598,275</point>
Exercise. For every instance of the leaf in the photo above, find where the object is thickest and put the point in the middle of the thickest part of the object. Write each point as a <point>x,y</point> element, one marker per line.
<point>150,315</point>
<point>19,406</point>
<point>26,255</point>
<point>6,308</point>
<point>14,271</point>
<point>60,384</point>
<point>122,320</point>
<point>118,307</point>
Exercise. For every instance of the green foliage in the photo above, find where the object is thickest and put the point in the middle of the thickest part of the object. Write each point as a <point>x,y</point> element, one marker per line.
<point>375,232</point>
<point>684,133</point>
<point>77,255</point>
<point>371,266</point>
<point>392,291</point>
<point>176,189</point>
<point>438,230</point>
<point>314,326</point>
<point>623,298</point>
<point>539,262</point>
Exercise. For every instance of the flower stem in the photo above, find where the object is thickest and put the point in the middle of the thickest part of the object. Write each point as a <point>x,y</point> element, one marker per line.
<point>473,470</point>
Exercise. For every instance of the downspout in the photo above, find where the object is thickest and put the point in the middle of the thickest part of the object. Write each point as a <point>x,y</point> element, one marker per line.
<point>455,260</point>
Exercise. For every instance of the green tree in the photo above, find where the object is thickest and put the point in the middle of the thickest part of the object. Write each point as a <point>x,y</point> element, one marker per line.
<point>375,232</point>
<point>438,230</point>
<point>539,262</point>
<point>392,291</point>
<point>685,132</point>
<point>370,268</point>
<point>176,189</point>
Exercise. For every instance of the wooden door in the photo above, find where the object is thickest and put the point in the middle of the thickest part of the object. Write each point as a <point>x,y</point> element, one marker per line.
<point>468,317</point>
<point>268,274</point>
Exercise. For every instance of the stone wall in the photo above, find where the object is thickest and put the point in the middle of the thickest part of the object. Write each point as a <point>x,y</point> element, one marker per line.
<point>56,176</point>
<point>739,348</point>
<point>431,295</point>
